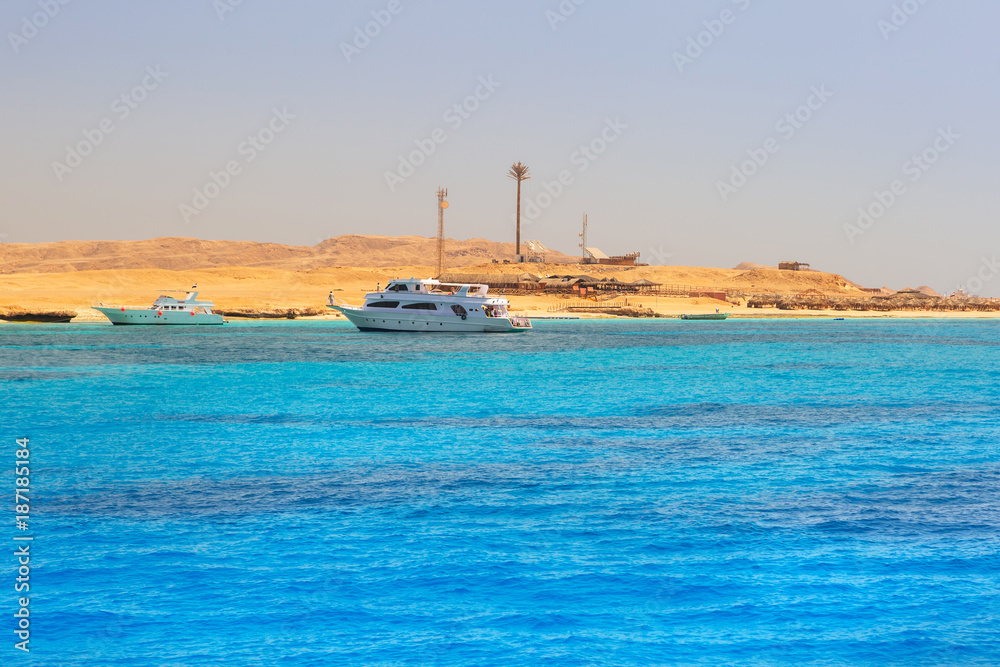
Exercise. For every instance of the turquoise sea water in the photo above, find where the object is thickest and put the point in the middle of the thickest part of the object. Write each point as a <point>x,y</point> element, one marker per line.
<point>588,493</point>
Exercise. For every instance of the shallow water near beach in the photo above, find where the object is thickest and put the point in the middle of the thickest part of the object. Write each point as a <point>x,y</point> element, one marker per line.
<point>587,493</point>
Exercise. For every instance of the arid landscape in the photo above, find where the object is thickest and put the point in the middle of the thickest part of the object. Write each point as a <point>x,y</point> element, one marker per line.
<point>181,253</point>
<point>246,279</point>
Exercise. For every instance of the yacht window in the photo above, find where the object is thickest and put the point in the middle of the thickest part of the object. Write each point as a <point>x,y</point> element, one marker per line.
<point>383,304</point>
<point>397,288</point>
<point>419,306</point>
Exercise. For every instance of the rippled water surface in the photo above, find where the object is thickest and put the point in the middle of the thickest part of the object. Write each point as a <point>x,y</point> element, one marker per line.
<point>587,493</point>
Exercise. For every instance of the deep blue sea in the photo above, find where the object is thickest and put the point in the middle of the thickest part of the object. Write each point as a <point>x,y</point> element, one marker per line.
<point>588,493</point>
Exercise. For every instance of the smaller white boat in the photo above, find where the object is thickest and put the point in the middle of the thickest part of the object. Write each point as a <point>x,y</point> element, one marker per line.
<point>165,310</point>
<point>429,305</point>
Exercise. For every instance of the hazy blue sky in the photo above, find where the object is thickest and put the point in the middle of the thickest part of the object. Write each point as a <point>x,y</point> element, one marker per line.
<point>660,180</point>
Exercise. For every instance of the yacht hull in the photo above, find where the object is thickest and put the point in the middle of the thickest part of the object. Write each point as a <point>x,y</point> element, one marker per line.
<point>154,317</point>
<point>423,321</point>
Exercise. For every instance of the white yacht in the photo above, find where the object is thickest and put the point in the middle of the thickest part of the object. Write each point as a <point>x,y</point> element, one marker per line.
<point>165,310</point>
<point>429,305</point>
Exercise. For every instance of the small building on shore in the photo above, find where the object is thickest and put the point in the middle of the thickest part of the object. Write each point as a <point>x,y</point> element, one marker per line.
<point>631,259</point>
<point>493,280</point>
<point>792,266</point>
<point>595,256</point>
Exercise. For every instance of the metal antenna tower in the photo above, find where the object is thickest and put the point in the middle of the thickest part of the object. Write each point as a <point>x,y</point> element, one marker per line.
<point>442,205</point>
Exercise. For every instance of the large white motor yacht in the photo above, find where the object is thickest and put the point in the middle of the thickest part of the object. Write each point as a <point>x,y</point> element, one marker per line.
<point>429,305</point>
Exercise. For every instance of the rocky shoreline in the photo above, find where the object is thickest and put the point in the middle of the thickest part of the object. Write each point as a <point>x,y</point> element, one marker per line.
<point>36,316</point>
<point>276,314</point>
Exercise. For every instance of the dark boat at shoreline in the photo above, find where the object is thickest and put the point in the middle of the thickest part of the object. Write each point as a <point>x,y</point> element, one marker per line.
<point>706,316</point>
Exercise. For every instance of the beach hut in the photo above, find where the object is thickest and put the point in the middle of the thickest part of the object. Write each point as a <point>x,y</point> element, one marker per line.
<point>639,286</point>
<point>493,280</point>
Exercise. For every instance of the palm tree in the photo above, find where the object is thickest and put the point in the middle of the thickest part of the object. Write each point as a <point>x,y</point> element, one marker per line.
<point>519,172</point>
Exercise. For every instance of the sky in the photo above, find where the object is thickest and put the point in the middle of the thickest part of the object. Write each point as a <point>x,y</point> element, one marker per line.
<point>860,136</point>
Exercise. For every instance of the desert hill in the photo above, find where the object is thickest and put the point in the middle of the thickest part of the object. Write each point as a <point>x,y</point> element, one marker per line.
<point>268,289</point>
<point>377,252</point>
<point>272,280</point>
<point>773,280</point>
<point>182,254</point>
<point>750,266</point>
<point>269,278</point>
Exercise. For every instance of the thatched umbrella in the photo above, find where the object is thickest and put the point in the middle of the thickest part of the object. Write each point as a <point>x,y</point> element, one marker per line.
<point>863,305</point>
<point>817,302</point>
<point>762,301</point>
<point>951,303</point>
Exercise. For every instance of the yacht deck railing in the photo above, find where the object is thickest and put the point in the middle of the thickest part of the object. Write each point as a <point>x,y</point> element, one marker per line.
<point>101,304</point>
